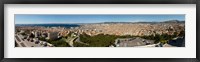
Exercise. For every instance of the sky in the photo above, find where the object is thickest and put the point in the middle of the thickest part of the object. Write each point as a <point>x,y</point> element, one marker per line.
<point>45,19</point>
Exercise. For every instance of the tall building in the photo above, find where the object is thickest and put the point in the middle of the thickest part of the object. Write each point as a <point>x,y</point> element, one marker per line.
<point>37,34</point>
<point>52,35</point>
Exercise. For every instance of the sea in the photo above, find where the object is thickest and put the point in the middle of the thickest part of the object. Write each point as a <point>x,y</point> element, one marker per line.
<point>50,25</point>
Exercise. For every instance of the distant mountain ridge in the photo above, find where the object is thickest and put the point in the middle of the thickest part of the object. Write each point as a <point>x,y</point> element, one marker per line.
<point>169,21</point>
<point>174,21</point>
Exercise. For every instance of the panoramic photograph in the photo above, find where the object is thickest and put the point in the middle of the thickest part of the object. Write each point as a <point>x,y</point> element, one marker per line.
<point>99,30</point>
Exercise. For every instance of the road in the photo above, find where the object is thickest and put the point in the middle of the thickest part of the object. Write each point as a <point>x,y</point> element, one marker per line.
<point>26,43</point>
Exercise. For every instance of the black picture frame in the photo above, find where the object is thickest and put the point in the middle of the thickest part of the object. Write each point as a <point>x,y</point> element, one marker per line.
<point>2,2</point>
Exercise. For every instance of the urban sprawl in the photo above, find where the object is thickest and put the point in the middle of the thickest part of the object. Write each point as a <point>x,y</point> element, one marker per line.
<point>107,34</point>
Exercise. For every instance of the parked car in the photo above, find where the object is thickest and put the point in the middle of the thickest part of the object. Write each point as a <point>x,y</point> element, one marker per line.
<point>32,40</point>
<point>45,44</point>
<point>37,42</point>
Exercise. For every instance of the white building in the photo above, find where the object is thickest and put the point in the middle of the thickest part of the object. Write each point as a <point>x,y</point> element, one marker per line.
<point>36,34</point>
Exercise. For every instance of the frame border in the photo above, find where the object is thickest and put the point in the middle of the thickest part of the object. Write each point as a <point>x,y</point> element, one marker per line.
<point>2,2</point>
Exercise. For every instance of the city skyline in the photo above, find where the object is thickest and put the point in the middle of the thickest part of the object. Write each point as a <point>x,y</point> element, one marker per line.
<point>46,19</point>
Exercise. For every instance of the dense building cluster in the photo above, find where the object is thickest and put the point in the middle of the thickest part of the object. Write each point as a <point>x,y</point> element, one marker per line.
<point>119,29</point>
<point>133,29</point>
<point>115,29</point>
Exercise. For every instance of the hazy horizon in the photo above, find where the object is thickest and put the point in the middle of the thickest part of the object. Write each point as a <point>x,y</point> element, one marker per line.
<point>84,19</point>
